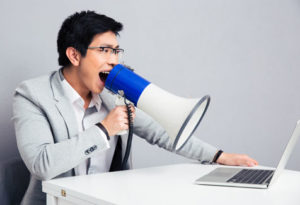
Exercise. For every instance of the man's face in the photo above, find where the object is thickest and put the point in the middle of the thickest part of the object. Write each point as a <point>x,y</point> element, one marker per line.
<point>96,61</point>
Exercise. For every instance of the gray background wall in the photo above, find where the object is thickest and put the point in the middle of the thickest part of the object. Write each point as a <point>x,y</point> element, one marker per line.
<point>243,53</point>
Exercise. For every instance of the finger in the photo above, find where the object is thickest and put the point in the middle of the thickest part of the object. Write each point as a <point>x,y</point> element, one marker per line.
<point>125,117</point>
<point>255,162</point>
<point>125,121</point>
<point>133,115</point>
<point>121,108</point>
<point>250,164</point>
<point>124,127</point>
<point>132,108</point>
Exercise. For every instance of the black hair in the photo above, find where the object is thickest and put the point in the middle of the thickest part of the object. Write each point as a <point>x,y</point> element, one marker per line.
<point>78,31</point>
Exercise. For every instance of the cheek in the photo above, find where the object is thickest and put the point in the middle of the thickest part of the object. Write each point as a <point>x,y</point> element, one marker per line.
<point>91,65</point>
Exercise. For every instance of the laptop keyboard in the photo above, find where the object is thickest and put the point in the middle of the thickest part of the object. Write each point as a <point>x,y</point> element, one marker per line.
<point>252,176</point>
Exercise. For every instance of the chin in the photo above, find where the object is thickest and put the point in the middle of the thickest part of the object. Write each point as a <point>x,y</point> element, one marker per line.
<point>98,90</point>
<point>98,87</point>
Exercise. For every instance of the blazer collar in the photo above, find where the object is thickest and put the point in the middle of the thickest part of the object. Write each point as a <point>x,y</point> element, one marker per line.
<point>63,105</point>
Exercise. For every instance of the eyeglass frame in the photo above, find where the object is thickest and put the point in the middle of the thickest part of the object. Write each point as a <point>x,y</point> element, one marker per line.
<point>114,50</point>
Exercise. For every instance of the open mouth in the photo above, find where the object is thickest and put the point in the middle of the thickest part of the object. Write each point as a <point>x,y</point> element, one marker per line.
<point>103,76</point>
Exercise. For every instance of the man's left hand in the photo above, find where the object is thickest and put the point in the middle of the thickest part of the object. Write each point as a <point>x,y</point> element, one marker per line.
<point>236,160</point>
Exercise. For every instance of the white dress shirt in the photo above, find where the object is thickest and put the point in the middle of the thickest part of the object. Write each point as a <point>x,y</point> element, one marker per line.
<point>87,118</point>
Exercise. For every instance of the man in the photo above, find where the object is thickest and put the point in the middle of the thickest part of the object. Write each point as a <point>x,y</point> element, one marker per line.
<point>66,123</point>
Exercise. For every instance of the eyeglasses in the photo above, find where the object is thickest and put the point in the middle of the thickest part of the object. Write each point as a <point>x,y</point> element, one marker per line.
<point>107,52</point>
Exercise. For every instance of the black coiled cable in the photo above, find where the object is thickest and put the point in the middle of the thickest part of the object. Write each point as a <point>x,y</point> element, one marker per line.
<point>130,133</point>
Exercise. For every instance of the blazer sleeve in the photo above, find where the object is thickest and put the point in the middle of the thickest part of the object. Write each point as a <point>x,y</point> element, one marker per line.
<point>44,157</point>
<point>152,132</point>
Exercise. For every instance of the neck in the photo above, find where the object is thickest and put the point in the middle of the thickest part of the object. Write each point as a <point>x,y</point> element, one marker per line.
<point>74,80</point>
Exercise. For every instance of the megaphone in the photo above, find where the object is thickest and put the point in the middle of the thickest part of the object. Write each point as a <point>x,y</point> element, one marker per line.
<point>177,115</point>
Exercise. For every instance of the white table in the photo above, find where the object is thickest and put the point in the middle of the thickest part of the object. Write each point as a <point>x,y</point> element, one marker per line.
<point>173,184</point>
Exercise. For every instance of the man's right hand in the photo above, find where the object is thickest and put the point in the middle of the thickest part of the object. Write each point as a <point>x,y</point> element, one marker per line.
<point>117,120</point>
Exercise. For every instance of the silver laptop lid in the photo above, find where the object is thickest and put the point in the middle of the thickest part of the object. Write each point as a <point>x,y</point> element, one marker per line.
<point>287,153</point>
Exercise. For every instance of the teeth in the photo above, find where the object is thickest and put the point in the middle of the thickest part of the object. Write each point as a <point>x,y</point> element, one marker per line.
<point>103,75</point>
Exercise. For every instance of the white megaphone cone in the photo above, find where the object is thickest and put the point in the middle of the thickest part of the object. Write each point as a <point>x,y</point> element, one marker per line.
<point>178,116</point>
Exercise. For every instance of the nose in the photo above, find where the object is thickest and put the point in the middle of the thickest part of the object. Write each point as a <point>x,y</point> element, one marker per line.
<point>112,60</point>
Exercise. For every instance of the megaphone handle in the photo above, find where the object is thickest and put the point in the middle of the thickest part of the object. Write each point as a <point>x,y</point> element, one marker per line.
<point>120,100</point>
<point>130,133</point>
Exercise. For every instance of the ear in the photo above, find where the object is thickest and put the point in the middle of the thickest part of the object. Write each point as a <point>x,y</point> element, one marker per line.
<point>73,55</point>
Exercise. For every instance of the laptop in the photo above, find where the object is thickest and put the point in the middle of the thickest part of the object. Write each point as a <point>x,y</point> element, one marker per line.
<point>250,177</point>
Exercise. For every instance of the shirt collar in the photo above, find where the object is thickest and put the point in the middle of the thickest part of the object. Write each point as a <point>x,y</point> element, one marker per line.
<point>96,101</point>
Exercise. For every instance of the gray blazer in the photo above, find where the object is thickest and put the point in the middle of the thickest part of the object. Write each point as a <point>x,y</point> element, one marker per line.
<point>48,138</point>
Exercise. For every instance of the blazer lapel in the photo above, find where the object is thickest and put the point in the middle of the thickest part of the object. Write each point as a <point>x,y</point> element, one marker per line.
<point>63,105</point>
